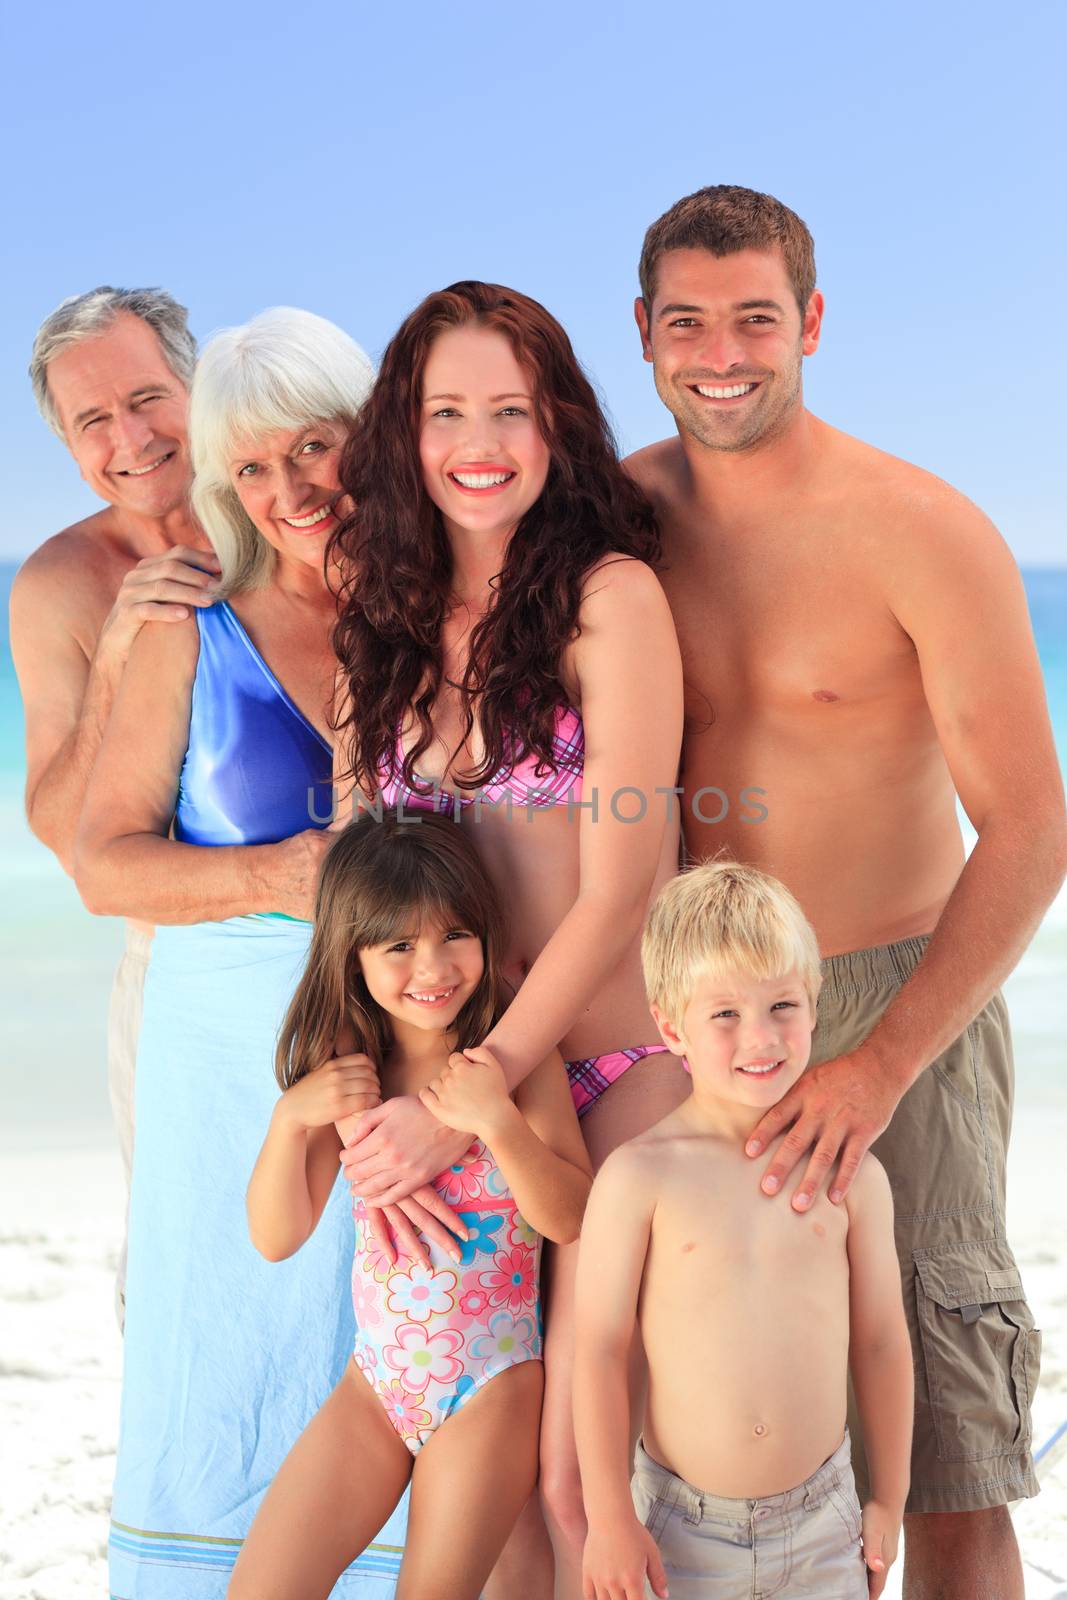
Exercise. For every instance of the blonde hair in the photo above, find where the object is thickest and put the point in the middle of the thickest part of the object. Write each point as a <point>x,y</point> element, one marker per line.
<point>283,370</point>
<point>718,919</point>
<point>378,876</point>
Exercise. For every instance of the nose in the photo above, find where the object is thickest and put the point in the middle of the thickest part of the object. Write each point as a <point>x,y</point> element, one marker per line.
<point>292,492</point>
<point>721,349</point>
<point>759,1033</point>
<point>481,437</point>
<point>131,432</point>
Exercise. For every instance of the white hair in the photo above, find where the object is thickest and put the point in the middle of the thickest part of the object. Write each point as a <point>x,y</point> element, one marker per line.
<point>86,316</point>
<point>283,370</point>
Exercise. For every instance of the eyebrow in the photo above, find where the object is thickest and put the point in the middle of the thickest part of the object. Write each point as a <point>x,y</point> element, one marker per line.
<point>494,399</point>
<point>740,305</point>
<point>137,394</point>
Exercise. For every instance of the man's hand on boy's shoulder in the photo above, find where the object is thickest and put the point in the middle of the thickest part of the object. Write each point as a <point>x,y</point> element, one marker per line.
<point>618,1555</point>
<point>835,1111</point>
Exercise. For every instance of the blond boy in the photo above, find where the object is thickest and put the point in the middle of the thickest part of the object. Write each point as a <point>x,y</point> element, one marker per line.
<point>751,1315</point>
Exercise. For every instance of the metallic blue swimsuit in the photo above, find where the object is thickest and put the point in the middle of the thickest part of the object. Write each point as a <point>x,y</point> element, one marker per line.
<point>256,770</point>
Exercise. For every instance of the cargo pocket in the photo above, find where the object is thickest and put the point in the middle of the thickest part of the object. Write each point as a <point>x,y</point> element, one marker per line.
<point>981,1350</point>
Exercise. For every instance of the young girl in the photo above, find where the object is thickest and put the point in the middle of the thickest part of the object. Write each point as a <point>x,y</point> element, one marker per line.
<point>446,1379</point>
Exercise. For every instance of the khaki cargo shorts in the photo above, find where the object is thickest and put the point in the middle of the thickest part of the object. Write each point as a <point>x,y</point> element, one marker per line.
<point>974,1345</point>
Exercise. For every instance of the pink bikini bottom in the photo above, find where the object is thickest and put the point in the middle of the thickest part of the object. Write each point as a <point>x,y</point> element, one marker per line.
<point>588,1079</point>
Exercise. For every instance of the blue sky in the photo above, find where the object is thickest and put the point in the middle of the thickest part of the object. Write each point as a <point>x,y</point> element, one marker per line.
<point>350,159</point>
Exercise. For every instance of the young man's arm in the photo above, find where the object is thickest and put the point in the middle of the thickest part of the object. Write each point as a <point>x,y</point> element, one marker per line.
<point>611,1260</point>
<point>881,1365</point>
<point>67,696</point>
<point>957,592</point>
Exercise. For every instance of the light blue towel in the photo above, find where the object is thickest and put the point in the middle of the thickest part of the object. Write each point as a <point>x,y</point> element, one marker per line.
<point>227,1356</point>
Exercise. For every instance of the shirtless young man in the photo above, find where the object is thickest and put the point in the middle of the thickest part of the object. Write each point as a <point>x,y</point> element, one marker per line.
<point>111,371</point>
<point>836,608</point>
<point>750,1321</point>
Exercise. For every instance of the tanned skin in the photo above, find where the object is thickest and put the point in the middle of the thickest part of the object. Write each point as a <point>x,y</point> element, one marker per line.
<point>856,644</point>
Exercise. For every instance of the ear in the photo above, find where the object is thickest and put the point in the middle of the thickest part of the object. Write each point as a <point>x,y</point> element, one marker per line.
<point>668,1032</point>
<point>641,318</point>
<point>812,327</point>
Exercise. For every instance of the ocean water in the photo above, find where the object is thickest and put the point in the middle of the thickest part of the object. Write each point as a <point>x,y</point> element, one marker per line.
<point>56,961</point>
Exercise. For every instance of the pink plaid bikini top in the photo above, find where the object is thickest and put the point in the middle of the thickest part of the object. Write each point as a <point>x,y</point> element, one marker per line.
<point>522,782</point>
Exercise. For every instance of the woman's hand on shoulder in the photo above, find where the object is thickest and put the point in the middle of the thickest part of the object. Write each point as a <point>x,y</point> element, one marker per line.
<point>471,1094</point>
<point>340,1088</point>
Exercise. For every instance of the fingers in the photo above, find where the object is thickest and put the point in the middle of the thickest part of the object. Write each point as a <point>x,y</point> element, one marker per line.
<point>407,1239</point>
<point>818,1169</point>
<point>429,1227</point>
<point>770,1125</point>
<point>431,1201</point>
<point>657,1577</point>
<point>367,1126</point>
<point>430,1098</point>
<point>378,1224</point>
<point>852,1155</point>
<point>796,1143</point>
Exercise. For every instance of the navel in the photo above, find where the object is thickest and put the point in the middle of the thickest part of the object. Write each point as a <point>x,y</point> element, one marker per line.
<point>761,1430</point>
<point>817,1228</point>
<point>827,696</point>
<point>690,1246</point>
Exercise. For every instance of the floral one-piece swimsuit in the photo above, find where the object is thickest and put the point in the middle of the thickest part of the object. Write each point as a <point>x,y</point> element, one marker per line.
<point>429,1337</point>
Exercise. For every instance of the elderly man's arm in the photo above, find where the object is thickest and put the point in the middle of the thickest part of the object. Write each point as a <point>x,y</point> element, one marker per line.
<point>958,594</point>
<point>124,863</point>
<point>68,686</point>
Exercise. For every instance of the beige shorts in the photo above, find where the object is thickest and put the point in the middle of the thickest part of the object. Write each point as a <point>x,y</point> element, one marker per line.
<point>123,1029</point>
<point>803,1542</point>
<point>975,1348</point>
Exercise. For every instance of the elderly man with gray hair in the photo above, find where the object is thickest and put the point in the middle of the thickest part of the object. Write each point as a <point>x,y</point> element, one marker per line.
<point>111,371</point>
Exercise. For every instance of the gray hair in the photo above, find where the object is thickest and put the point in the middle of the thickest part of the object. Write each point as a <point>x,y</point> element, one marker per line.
<point>283,370</point>
<point>85,316</point>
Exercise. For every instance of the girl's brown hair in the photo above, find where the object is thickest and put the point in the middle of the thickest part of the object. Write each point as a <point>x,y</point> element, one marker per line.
<point>396,552</point>
<point>379,878</point>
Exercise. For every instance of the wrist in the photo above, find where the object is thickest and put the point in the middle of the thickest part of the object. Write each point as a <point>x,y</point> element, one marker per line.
<point>500,1123</point>
<point>285,1118</point>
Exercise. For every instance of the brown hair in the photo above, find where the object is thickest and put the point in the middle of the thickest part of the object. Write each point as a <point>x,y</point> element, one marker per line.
<point>399,560</point>
<point>724,219</point>
<point>375,877</point>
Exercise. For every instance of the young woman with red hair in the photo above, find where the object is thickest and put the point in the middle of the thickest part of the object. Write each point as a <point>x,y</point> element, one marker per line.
<point>511,661</point>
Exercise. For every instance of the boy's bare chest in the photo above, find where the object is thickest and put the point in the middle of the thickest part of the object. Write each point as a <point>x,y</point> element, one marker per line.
<point>725,1243</point>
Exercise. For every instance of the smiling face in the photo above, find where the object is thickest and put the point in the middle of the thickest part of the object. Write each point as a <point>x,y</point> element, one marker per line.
<point>288,483</point>
<point>746,1040</point>
<point>123,413</point>
<point>726,339</point>
<point>425,977</point>
<point>484,461</point>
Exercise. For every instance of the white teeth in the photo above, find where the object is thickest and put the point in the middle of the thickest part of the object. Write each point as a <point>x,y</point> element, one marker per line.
<point>481,480</point>
<point>760,1072</point>
<point>139,472</point>
<point>724,394</point>
<point>311,519</point>
<point>428,996</point>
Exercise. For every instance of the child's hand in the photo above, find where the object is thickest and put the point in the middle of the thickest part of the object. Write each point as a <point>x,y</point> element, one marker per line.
<point>616,1560</point>
<point>881,1536</point>
<point>471,1095</point>
<point>341,1088</point>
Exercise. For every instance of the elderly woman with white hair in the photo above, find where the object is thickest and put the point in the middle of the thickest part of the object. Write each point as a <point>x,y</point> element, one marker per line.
<point>205,816</point>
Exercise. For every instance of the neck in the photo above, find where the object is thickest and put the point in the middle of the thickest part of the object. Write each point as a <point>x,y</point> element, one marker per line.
<point>301,581</point>
<point>771,465</point>
<point>727,1119</point>
<point>477,558</point>
<point>416,1046</point>
<point>156,535</point>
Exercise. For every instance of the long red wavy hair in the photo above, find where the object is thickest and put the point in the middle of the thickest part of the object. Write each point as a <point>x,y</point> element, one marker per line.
<point>397,554</point>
